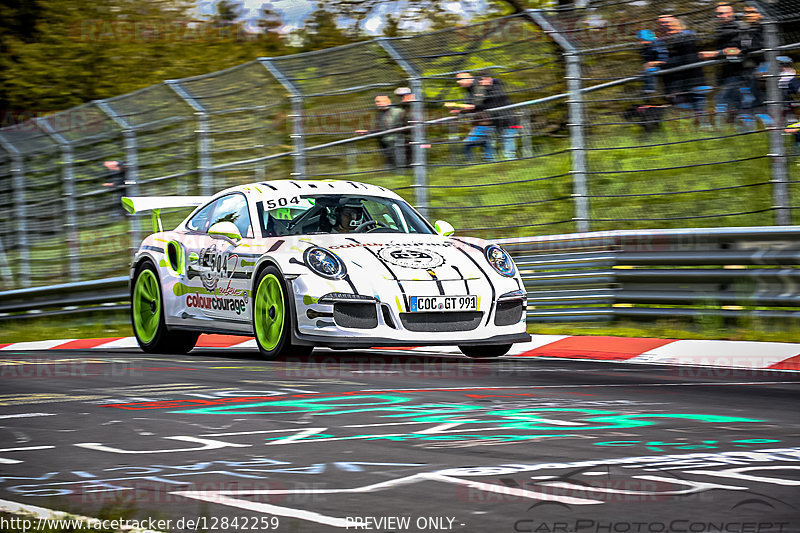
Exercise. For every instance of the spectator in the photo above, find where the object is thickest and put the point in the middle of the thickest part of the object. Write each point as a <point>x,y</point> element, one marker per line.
<point>653,53</point>
<point>792,94</point>
<point>407,100</point>
<point>789,84</point>
<point>387,117</point>
<point>728,46</point>
<point>684,88</point>
<point>486,94</point>
<point>754,69</point>
<point>480,135</point>
<point>504,121</point>
<point>117,183</point>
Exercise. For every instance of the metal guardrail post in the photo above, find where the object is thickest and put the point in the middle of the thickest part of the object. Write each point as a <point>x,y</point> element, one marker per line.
<point>70,209</point>
<point>298,128</point>
<point>418,162</point>
<point>203,138</point>
<point>576,117</point>
<point>777,149</point>
<point>131,165</point>
<point>577,141</point>
<point>20,213</point>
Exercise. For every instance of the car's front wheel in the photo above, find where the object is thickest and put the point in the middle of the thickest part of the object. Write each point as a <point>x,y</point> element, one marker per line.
<point>272,321</point>
<point>147,316</point>
<point>482,352</point>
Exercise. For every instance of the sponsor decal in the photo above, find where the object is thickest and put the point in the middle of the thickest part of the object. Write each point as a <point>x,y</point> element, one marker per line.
<point>217,304</point>
<point>212,266</point>
<point>444,244</point>
<point>409,257</point>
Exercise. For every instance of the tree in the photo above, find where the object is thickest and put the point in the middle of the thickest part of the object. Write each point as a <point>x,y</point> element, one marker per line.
<point>269,23</point>
<point>321,30</point>
<point>391,26</point>
<point>226,12</point>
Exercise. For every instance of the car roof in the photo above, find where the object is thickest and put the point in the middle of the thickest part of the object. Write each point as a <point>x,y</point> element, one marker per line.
<point>269,189</point>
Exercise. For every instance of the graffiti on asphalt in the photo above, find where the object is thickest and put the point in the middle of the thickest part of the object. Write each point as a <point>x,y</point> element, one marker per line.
<point>120,478</point>
<point>440,424</point>
<point>659,446</point>
<point>555,486</point>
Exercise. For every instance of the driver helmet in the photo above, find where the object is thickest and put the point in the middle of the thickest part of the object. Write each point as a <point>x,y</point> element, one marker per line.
<point>349,204</point>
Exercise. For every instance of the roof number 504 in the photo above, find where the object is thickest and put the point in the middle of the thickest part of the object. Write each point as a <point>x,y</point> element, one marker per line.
<point>282,202</point>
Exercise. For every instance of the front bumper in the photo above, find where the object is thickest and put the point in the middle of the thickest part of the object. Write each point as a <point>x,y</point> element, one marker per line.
<point>387,322</point>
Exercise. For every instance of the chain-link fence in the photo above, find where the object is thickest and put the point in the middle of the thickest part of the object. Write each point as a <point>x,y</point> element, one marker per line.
<point>581,134</point>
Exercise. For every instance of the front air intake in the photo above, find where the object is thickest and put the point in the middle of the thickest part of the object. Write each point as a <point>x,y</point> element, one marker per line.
<point>441,322</point>
<point>355,315</point>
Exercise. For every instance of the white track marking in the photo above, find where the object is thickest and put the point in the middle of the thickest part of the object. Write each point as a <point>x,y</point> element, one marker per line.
<point>730,354</point>
<point>27,415</point>
<point>125,342</point>
<point>36,345</point>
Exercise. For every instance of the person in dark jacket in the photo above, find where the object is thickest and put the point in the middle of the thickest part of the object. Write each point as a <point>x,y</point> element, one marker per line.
<point>387,117</point>
<point>407,100</point>
<point>486,93</point>
<point>728,46</point>
<point>686,87</point>
<point>116,182</point>
<point>754,69</point>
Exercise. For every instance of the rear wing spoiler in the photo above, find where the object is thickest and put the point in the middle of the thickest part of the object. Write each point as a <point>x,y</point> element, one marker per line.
<point>139,204</point>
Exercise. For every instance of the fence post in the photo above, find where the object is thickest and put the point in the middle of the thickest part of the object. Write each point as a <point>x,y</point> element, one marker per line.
<point>298,132</point>
<point>577,140</point>
<point>203,139</point>
<point>20,214</point>
<point>577,120</point>
<point>70,210</point>
<point>777,148</point>
<point>131,166</point>
<point>418,162</point>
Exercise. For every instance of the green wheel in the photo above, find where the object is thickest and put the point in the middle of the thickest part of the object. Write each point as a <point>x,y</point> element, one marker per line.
<point>147,315</point>
<point>485,352</point>
<point>272,321</point>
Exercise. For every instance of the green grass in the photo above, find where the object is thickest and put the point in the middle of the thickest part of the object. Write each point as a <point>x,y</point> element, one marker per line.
<point>82,326</point>
<point>117,324</point>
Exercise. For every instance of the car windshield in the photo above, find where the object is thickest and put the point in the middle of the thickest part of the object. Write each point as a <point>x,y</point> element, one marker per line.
<point>338,213</point>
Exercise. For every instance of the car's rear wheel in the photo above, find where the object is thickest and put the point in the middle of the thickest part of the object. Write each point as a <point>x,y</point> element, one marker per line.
<point>147,316</point>
<point>483,352</point>
<point>272,320</point>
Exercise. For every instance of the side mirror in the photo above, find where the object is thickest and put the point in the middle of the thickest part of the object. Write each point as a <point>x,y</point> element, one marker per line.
<point>225,229</point>
<point>443,228</point>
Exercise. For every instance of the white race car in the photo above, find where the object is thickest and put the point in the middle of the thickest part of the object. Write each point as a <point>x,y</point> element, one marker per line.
<point>299,264</point>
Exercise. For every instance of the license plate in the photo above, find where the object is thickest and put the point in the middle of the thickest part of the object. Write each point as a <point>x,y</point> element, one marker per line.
<point>443,303</point>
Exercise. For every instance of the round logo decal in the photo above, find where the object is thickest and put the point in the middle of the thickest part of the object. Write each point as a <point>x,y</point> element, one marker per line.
<point>411,257</point>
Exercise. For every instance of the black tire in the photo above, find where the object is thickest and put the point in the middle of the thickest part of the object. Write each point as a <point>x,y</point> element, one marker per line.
<point>272,317</point>
<point>150,330</point>
<point>485,351</point>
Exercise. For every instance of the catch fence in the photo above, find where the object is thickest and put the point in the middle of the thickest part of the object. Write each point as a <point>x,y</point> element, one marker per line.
<point>592,149</point>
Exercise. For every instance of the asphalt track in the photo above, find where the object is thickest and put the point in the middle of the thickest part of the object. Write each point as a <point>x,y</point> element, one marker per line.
<point>222,441</point>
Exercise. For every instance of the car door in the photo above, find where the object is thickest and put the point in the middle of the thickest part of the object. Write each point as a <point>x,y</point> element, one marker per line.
<point>217,278</point>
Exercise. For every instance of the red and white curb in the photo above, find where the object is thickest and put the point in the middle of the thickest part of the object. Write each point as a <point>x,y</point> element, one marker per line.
<point>730,354</point>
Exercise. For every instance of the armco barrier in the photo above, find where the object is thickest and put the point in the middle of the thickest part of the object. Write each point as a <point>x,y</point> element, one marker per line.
<point>724,272</point>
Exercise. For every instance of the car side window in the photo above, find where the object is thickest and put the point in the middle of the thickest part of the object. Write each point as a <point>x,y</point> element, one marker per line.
<point>199,222</point>
<point>233,208</point>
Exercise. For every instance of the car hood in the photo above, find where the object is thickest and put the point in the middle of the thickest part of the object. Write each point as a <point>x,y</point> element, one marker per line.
<point>406,257</point>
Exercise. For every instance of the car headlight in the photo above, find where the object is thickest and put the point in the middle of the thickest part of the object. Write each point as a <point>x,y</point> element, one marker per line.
<point>325,263</point>
<point>500,260</point>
